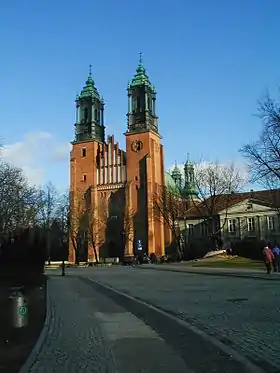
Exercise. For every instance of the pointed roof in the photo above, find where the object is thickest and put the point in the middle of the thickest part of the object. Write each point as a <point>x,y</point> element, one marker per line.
<point>188,163</point>
<point>140,77</point>
<point>176,173</point>
<point>89,89</point>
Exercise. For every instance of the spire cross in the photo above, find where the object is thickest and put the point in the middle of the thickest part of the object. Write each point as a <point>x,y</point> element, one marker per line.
<point>89,69</point>
<point>187,155</point>
<point>140,57</point>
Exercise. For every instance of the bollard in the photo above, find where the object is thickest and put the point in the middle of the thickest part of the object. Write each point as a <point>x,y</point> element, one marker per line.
<point>19,311</point>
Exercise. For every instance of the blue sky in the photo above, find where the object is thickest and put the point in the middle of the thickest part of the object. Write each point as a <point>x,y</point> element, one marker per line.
<point>209,60</point>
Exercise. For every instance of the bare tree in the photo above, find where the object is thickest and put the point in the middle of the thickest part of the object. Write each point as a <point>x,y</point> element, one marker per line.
<point>263,155</point>
<point>96,220</point>
<point>76,222</point>
<point>216,185</point>
<point>170,206</point>
<point>62,217</point>
<point>128,226</point>
<point>48,202</point>
<point>18,201</point>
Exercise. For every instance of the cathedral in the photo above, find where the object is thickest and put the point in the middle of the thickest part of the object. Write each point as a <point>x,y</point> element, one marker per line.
<point>118,184</point>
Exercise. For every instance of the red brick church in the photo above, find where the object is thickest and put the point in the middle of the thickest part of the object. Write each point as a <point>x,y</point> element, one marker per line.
<point>119,180</point>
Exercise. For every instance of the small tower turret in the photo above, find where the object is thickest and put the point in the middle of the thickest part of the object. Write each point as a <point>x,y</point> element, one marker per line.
<point>177,176</point>
<point>190,189</point>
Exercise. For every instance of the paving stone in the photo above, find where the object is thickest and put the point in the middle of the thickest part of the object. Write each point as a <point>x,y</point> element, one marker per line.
<point>243,313</point>
<point>88,332</point>
<point>74,341</point>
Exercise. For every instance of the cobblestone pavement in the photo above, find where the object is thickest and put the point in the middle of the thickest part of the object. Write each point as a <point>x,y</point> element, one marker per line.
<point>88,332</point>
<point>242,313</point>
<point>234,272</point>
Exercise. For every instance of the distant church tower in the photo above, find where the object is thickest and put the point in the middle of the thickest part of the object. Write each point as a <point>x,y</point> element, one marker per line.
<point>144,160</point>
<point>190,190</point>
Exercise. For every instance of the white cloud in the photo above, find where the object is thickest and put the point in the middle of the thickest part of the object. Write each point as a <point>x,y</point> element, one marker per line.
<point>34,153</point>
<point>61,152</point>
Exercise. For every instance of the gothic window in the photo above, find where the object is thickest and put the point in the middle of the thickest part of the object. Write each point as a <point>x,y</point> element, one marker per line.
<point>95,115</point>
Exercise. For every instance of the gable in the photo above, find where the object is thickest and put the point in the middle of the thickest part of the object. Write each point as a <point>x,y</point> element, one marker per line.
<point>249,206</point>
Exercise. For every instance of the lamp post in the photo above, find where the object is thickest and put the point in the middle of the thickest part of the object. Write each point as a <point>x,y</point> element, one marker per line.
<point>177,232</point>
<point>185,227</point>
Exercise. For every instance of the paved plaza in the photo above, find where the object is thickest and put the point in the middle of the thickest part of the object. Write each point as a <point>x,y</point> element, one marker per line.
<point>241,312</point>
<point>94,329</point>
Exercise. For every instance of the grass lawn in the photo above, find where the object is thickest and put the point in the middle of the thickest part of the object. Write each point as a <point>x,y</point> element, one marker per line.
<point>229,262</point>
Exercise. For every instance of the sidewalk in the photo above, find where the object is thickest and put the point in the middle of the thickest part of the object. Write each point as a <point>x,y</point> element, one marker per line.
<point>232,272</point>
<point>71,340</point>
<point>87,332</point>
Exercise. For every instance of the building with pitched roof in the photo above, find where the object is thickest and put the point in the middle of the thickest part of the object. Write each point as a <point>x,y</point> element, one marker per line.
<point>238,216</point>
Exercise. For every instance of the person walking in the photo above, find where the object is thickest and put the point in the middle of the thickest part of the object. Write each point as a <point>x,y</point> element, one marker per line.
<point>276,260</point>
<point>268,258</point>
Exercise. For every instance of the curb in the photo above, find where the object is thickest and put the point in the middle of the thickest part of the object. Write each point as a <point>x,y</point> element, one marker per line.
<point>254,276</point>
<point>230,352</point>
<point>27,366</point>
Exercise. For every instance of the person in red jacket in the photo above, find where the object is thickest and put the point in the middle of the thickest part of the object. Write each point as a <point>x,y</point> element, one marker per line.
<point>268,258</point>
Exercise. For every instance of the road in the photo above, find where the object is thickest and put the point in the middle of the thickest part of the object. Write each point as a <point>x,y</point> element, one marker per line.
<point>242,313</point>
<point>124,319</point>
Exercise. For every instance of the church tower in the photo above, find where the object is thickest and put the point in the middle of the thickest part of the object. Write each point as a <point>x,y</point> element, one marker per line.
<point>190,190</point>
<point>145,161</point>
<point>177,177</point>
<point>89,113</point>
<point>89,136</point>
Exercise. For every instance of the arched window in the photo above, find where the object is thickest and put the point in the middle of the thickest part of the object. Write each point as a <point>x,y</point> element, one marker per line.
<point>86,114</point>
<point>138,105</point>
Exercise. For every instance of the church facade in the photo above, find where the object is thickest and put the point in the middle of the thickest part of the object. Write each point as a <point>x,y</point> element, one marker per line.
<point>119,185</point>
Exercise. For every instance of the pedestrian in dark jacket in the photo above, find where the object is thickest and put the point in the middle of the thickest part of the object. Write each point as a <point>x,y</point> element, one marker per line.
<point>276,260</point>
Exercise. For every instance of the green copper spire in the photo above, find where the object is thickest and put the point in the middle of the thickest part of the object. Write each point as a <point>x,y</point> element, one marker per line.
<point>89,89</point>
<point>89,125</point>
<point>190,189</point>
<point>140,77</point>
<point>176,175</point>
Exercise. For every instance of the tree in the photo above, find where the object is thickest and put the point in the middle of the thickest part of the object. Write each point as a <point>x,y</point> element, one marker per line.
<point>75,222</point>
<point>18,201</point>
<point>128,227</point>
<point>62,216</point>
<point>263,155</point>
<point>48,202</point>
<point>216,185</point>
<point>170,206</point>
<point>96,220</point>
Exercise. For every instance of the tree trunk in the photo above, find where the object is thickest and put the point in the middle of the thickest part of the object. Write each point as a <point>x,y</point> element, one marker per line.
<point>95,253</point>
<point>49,246</point>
